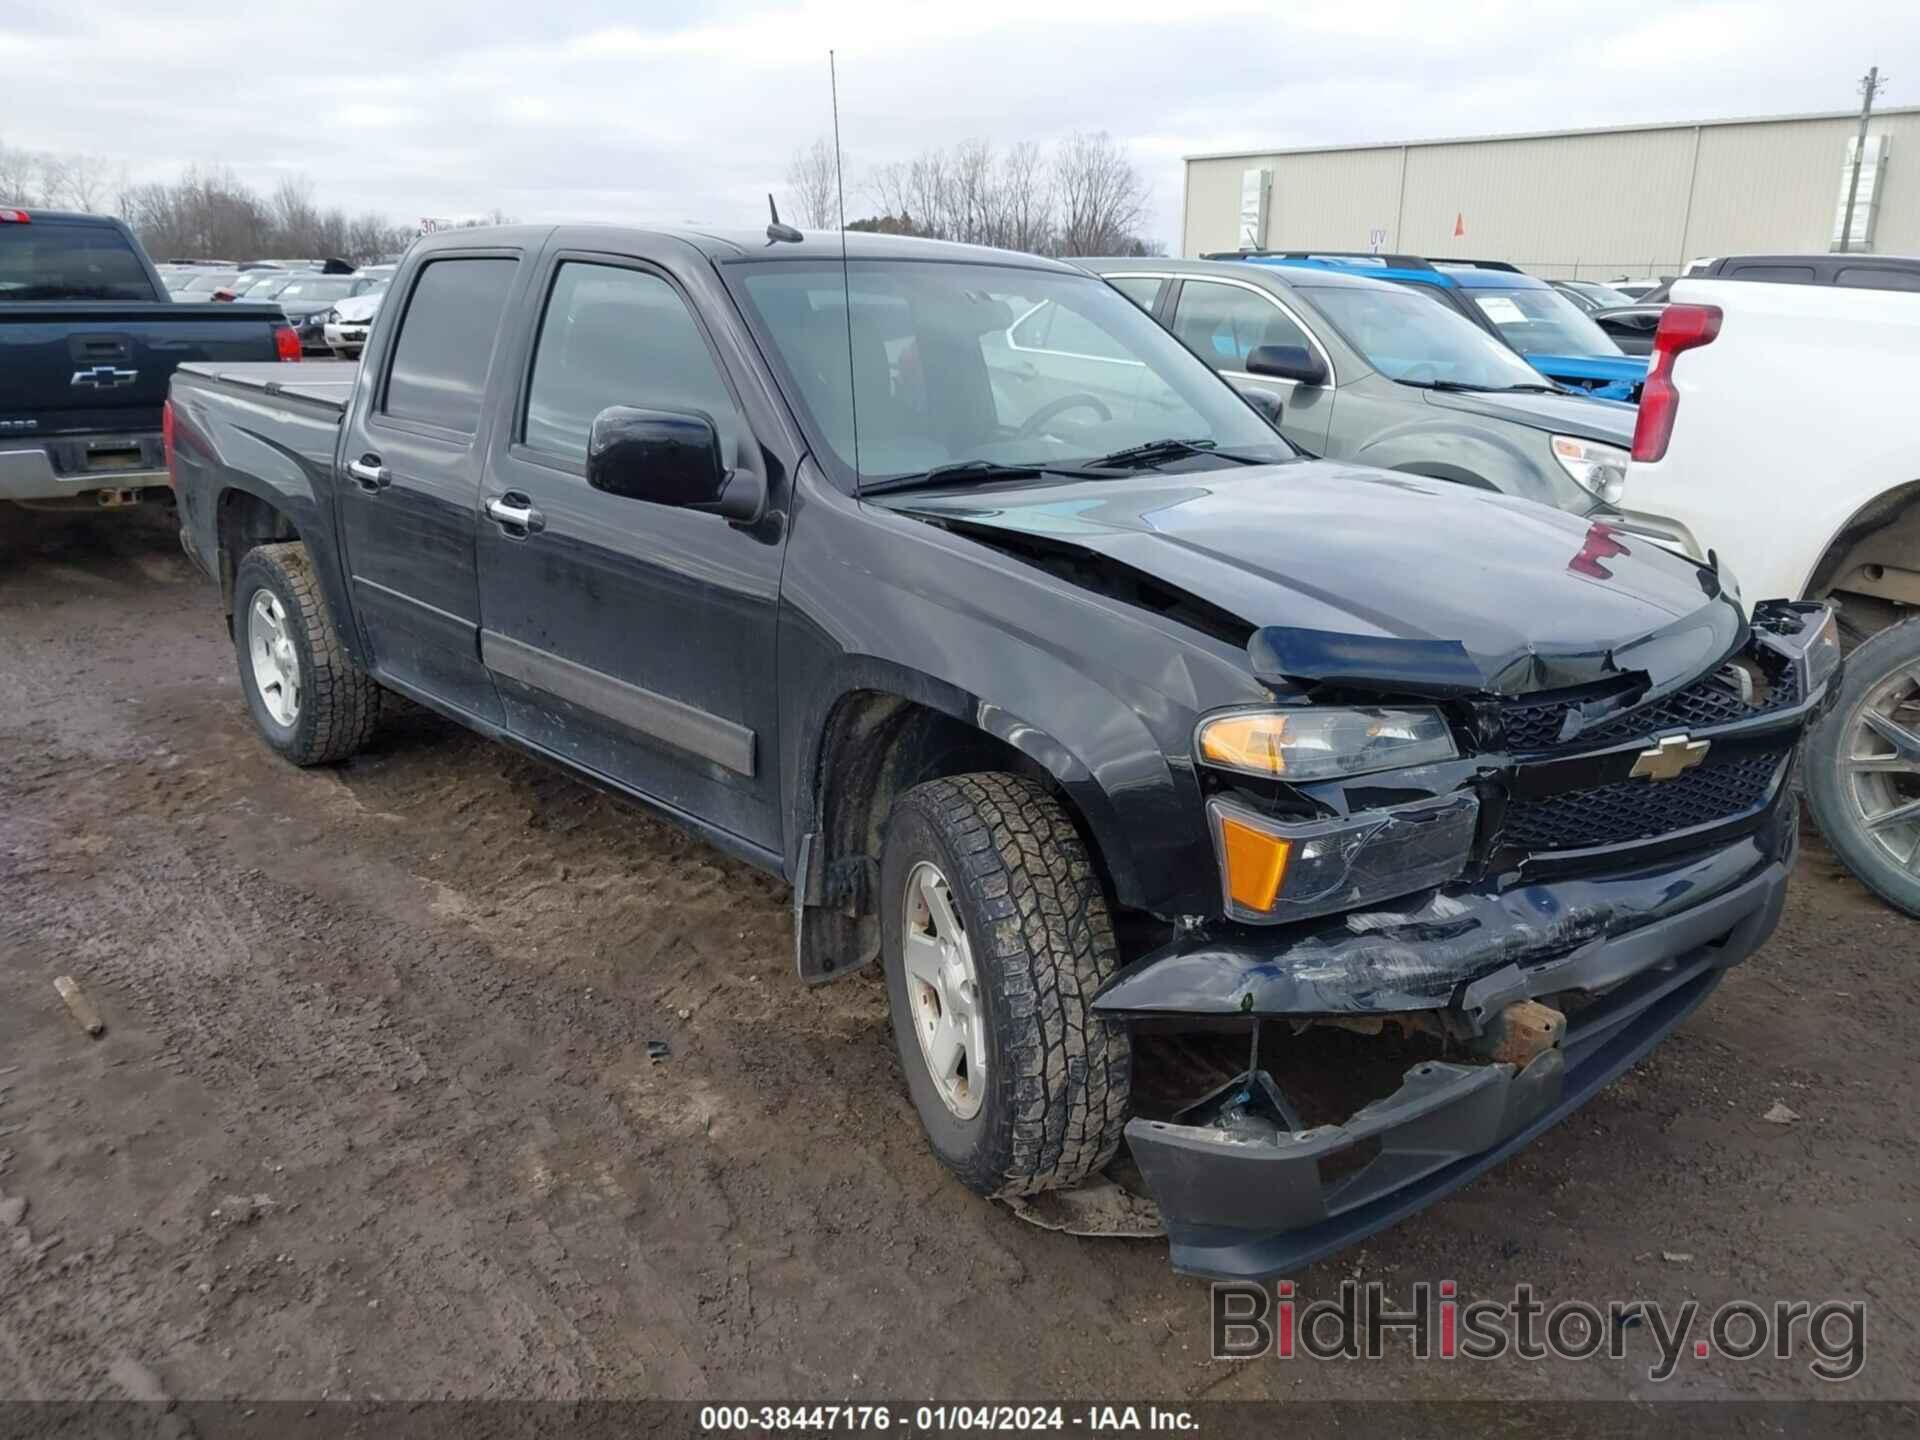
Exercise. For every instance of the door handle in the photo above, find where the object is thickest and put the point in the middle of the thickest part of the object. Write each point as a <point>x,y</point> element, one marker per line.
<point>371,474</point>
<point>515,511</point>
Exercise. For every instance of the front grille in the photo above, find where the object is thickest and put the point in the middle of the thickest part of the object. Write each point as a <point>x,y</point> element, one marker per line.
<point>1536,724</point>
<point>1633,810</point>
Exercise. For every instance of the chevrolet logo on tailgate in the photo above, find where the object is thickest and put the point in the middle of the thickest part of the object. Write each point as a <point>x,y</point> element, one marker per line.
<point>103,377</point>
<point>1670,759</point>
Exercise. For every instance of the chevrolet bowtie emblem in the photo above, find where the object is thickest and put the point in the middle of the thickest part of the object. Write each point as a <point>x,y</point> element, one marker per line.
<point>103,377</point>
<point>1671,758</point>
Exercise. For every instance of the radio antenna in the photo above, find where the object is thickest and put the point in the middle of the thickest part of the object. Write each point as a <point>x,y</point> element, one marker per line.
<point>846,285</point>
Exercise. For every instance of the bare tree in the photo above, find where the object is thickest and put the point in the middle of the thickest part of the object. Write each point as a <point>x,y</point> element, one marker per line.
<point>813,182</point>
<point>1026,203</point>
<point>1102,198</point>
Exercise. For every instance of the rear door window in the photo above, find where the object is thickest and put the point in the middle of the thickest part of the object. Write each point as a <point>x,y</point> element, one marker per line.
<point>1779,274</point>
<point>445,345</point>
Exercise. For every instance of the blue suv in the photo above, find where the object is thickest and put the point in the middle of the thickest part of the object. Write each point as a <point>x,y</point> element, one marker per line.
<point>1557,338</point>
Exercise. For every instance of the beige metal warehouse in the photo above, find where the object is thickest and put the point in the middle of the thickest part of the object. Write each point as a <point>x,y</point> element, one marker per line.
<point>1625,202</point>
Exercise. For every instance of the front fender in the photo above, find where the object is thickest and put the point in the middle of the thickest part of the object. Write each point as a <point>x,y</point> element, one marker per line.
<point>1468,457</point>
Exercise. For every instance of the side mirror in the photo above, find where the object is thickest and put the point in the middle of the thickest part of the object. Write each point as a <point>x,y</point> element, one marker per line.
<point>1265,401</point>
<point>668,457</point>
<point>1287,362</point>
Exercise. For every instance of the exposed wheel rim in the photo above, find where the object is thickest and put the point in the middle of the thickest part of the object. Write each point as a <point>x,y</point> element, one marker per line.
<point>943,992</point>
<point>276,664</point>
<point>1880,762</point>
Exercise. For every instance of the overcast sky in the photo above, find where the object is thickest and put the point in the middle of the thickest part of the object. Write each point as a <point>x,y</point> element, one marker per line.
<point>672,110</point>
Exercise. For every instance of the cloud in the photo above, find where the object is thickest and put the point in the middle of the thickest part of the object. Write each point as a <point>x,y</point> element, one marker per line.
<point>689,110</point>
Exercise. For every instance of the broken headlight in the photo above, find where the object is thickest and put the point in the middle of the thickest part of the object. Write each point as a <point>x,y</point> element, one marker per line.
<point>1323,743</point>
<point>1276,870</point>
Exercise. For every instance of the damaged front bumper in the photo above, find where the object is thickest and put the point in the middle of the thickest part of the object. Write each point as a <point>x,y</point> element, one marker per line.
<point>1642,949</point>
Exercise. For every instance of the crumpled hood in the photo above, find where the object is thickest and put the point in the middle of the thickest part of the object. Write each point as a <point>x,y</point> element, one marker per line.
<point>1391,581</point>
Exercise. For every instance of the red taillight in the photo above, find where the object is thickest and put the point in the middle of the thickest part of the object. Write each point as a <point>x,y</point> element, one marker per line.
<point>1682,327</point>
<point>166,441</point>
<point>15,217</point>
<point>286,342</point>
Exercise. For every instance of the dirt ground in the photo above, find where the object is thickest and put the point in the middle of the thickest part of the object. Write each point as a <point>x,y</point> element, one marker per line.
<point>374,1115</point>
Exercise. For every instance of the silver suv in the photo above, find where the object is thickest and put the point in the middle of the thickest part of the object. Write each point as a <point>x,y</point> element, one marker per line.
<point>1378,373</point>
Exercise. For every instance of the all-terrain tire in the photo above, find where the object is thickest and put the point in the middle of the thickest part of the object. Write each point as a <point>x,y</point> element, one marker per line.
<point>339,703</point>
<point>1041,937</point>
<point>1891,652</point>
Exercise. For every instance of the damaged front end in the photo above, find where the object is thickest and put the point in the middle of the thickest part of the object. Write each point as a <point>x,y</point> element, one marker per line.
<point>1540,899</point>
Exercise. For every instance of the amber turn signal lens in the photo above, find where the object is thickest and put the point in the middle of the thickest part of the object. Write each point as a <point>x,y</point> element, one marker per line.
<point>1247,742</point>
<point>1256,864</point>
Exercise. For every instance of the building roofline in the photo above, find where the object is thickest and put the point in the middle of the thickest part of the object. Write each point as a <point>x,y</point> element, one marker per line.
<point>1548,134</point>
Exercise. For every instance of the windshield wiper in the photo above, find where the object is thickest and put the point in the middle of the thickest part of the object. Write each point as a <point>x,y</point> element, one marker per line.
<point>948,474</point>
<point>1154,451</point>
<point>1466,387</point>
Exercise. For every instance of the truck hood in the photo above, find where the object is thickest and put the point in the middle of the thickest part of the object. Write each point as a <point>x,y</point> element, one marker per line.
<point>1608,421</point>
<point>1390,582</point>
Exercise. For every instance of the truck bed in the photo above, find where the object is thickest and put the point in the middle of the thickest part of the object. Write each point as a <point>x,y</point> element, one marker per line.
<point>323,384</point>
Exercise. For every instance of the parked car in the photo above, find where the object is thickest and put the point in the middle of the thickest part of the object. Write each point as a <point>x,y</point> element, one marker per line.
<point>1631,327</point>
<point>309,295</point>
<point>248,282</point>
<point>1074,713</point>
<point>1532,317</point>
<point>345,326</point>
<point>1705,478</point>
<point>1591,295</point>
<point>202,285</point>
<point>1638,289</point>
<point>267,289</point>
<point>88,340</point>
<point>1367,371</point>
<point>1850,270</point>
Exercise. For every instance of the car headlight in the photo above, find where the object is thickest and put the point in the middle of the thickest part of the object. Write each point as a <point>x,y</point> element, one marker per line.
<point>1600,470</point>
<point>329,317</point>
<point>1274,870</point>
<point>1323,743</point>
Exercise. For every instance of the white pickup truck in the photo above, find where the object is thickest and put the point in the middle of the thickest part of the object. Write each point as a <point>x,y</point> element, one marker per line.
<point>1780,429</point>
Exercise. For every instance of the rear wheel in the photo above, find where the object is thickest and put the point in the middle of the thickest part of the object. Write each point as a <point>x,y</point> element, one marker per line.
<point>309,701</point>
<point>996,936</point>
<point>1863,767</point>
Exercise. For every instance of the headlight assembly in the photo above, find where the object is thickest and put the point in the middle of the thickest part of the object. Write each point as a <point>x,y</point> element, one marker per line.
<point>1600,470</point>
<point>1275,870</point>
<point>1323,743</point>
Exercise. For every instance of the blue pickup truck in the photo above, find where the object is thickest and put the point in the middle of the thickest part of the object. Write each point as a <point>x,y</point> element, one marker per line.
<point>1557,338</point>
<point>88,342</point>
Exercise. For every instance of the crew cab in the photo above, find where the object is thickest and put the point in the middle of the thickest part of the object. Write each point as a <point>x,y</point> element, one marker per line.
<point>88,339</point>
<point>1082,705</point>
<point>1704,478</point>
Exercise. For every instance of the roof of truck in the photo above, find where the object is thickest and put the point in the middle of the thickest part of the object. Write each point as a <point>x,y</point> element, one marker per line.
<point>722,246</point>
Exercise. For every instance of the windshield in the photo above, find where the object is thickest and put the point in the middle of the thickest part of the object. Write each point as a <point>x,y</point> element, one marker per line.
<point>1406,337</point>
<point>331,287</point>
<point>1605,296</point>
<point>1542,322</point>
<point>956,363</point>
<point>48,261</point>
<point>208,281</point>
<point>270,287</point>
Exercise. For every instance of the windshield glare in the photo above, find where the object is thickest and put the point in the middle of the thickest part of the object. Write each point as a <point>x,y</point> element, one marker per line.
<point>1543,322</point>
<point>1406,337</point>
<point>954,362</point>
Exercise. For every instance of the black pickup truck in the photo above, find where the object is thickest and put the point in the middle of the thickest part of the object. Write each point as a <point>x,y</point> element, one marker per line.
<point>88,341</point>
<point>1059,686</point>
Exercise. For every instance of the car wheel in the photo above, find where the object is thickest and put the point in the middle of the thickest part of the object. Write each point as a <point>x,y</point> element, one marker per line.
<point>996,936</point>
<point>309,701</point>
<point>1863,767</point>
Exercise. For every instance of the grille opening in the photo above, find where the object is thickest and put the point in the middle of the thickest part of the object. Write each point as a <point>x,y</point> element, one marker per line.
<point>1536,723</point>
<point>1641,810</point>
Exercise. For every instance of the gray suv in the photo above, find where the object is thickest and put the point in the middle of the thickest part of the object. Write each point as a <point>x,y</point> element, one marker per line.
<point>1373,372</point>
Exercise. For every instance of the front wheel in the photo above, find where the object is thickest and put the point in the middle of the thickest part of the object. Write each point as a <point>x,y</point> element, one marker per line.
<point>1863,767</point>
<point>996,937</point>
<point>309,701</point>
